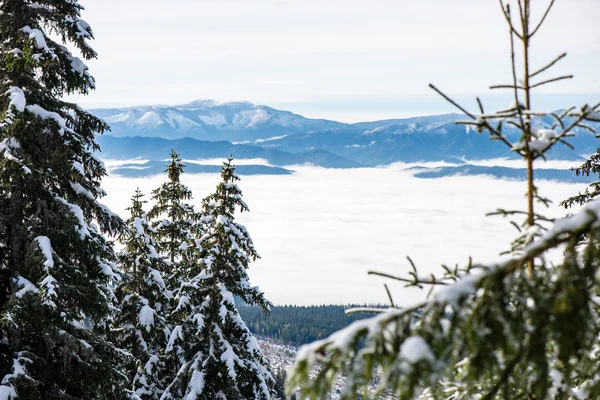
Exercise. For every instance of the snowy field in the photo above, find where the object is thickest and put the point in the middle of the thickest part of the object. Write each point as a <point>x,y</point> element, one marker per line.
<point>319,231</point>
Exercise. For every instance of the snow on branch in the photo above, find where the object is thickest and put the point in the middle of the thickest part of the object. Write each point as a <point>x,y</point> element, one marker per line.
<point>46,248</point>
<point>38,37</point>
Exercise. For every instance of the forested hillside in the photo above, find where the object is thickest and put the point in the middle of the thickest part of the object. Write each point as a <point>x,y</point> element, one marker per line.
<point>298,325</point>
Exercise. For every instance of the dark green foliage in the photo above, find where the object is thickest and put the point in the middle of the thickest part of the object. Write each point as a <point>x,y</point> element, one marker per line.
<point>56,265</point>
<point>141,326</point>
<point>218,355</point>
<point>280,376</point>
<point>298,325</point>
<point>174,217</point>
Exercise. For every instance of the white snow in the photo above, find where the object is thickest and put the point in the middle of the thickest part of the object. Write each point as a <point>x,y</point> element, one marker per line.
<point>196,384</point>
<point>198,319</point>
<point>46,247</point>
<point>7,393</point>
<point>50,284</point>
<point>591,114</point>
<point>176,334</point>
<point>78,66</point>
<point>27,287</point>
<point>415,349</point>
<point>179,121</point>
<point>78,213</point>
<point>271,139</point>
<point>106,269</point>
<point>16,98</point>
<point>77,166</point>
<point>81,190</point>
<point>122,117</point>
<point>150,120</point>
<point>39,38</point>
<point>44,114</point>
<point>451,294</point>
<point>138,226</point>
<point>146,317</point>
<point>213,119</point>
<point>251,118</point>
<point>157,277</point>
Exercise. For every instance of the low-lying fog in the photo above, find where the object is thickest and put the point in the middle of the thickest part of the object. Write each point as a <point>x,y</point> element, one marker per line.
<point>319,231</point>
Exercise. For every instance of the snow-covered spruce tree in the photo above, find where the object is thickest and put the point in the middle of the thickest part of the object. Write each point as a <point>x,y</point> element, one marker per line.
<point>523,328</point>
<point>173,217</point>
<point>140,326</point>
<point>220,358</point>
<point>173,222</point>
<point>56,267</point>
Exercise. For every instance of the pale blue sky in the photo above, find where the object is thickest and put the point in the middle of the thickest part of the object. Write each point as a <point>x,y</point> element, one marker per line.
<point>340,59</point>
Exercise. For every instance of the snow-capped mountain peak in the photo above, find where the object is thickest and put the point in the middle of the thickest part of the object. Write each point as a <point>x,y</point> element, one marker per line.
<point>210,120</point>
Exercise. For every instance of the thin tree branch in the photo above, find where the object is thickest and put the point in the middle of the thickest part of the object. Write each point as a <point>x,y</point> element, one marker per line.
<point>507,87</point>
<point>387,290</point>
<point>455,104</point>
<point>568,129</point>
<point>414,281</point>
<point>549,65</point>
<point>543,18</point>
<point>522,14</point>
<point>485,123</point>
<point>506,13</point>
<point>480,104</point>
<point>560,78</point>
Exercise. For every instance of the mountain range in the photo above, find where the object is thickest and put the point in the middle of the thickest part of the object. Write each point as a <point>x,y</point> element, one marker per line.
<point>209,129</point>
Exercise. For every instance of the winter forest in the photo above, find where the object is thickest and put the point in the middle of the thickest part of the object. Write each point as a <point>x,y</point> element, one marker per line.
<point>165,296</point>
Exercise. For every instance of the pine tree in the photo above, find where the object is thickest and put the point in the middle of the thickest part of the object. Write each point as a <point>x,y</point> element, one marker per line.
<point>141,325</point>
<point>521,328</point>
<point>56,265</point>
<point>220,358</point>
<point>175,216</point>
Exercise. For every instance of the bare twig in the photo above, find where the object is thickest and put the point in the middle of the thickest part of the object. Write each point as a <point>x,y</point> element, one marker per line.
<point>484,122</point>
<point>543,19</point>
<point>506,13</point>
<point>417,281</point>
<point>387,290</point>
<point>549,65</point>
<point>560,78</point>
<point>507,87</point>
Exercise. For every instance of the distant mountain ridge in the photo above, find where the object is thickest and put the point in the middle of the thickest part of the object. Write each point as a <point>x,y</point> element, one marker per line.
<point>429,138</point>
<point>209,120</point>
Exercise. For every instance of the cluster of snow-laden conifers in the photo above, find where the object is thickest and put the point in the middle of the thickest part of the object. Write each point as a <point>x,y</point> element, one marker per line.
<point>181,270</point>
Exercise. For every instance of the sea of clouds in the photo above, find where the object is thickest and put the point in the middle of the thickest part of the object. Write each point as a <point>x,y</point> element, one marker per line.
<point>319,231</point>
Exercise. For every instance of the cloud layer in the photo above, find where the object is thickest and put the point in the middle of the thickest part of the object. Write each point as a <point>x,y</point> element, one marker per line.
<point>320,231</point>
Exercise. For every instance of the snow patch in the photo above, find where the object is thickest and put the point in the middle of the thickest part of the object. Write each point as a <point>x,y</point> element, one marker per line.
<point>46,247</point>
<point>146,317</point>
<point>415,349</point>
<point>16,98</point>
<point>149,120</point>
